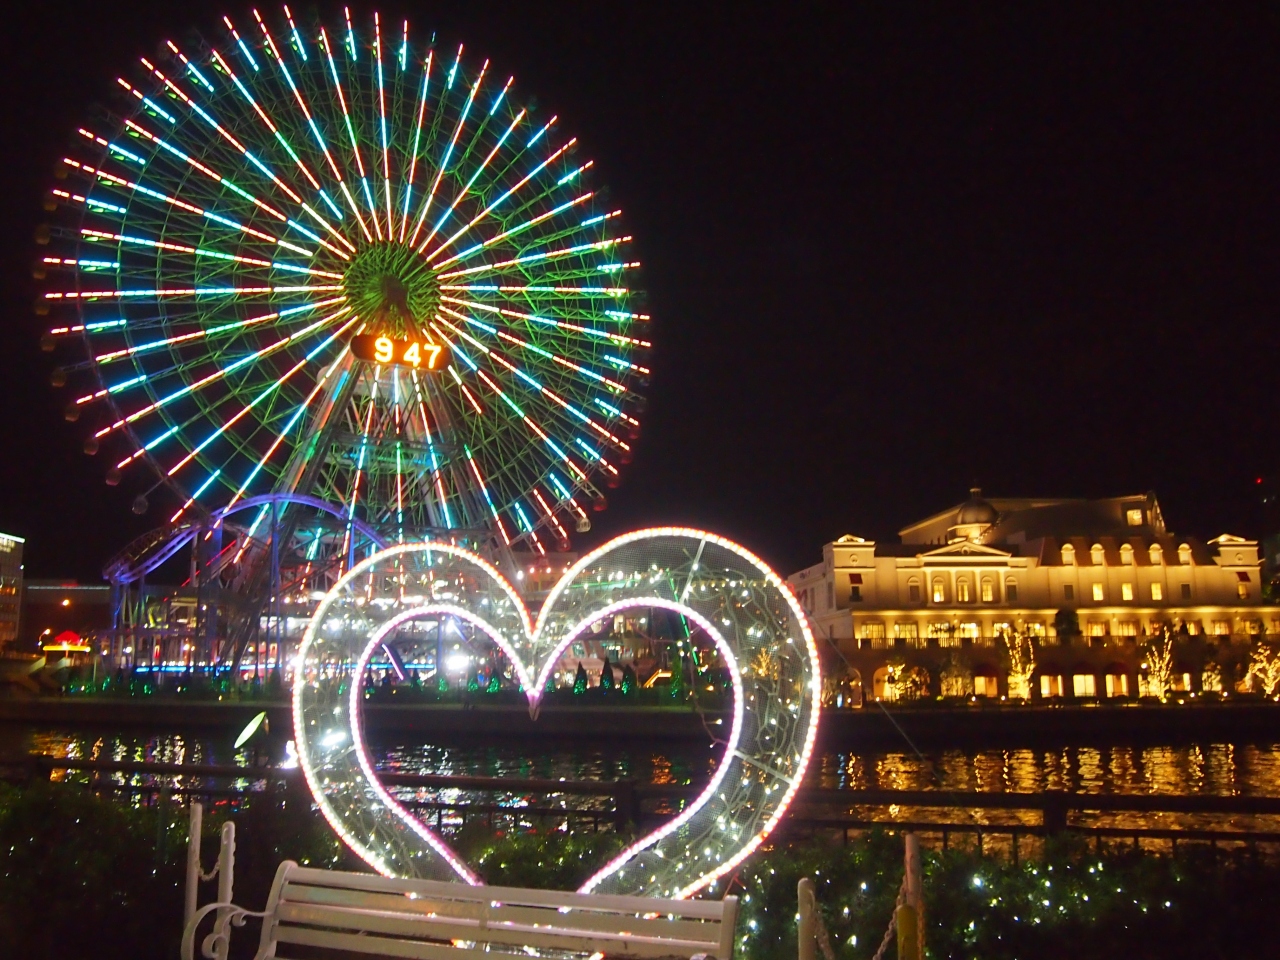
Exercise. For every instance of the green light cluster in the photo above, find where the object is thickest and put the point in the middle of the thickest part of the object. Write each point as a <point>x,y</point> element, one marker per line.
<point>392,289</point>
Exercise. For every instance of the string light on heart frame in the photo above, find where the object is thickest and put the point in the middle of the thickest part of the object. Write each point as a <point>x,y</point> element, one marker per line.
<point>744,607</point>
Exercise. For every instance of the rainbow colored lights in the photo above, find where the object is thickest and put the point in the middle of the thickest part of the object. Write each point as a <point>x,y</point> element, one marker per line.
<point>207,269</point>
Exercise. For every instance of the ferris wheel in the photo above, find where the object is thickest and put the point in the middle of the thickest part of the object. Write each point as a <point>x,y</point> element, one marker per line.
<point>339,263</point>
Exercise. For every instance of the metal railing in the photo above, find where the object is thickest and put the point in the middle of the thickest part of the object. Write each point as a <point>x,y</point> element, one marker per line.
<point>621,804</point>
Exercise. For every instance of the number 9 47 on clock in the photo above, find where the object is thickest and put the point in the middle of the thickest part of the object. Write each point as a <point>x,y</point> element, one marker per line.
<point>418,354</point>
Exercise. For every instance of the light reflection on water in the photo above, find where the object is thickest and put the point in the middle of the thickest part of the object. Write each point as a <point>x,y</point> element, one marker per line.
<point>1219,769</point>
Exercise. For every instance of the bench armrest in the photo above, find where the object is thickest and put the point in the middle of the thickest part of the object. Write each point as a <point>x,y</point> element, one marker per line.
<point>214,946</point>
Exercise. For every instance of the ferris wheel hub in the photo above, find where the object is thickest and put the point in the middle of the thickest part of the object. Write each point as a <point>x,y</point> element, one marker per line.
<point>392,288</point>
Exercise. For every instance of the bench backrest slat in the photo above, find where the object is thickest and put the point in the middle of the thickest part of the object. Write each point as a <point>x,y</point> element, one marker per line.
<point>706,909</point>
<point>435,920</point>
<point>579,919</point>
<point>294,917</point>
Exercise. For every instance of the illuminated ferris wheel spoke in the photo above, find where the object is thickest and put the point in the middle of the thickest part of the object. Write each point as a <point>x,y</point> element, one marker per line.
<point>466,189</point>
<point>219,219</point>
<point>346,117</point>
<point>223,329</point>
<point>217,375</point>
<point>214,254</point>
<point>518,229</point>
<point>260,204</point>
<point>524,418</point>
<point>263,395</point>
<point>209,120</point>
<point>489,210</point>
<point>288,148</point>
<point>531,383</point>
<point>417,143</point>
<point>443,166</point>
<point>609,335</point>
<point>306,112</point>
<point>542,256</point>
<point>382,120</point>
<point>539,351</point>
<point>292,422</point>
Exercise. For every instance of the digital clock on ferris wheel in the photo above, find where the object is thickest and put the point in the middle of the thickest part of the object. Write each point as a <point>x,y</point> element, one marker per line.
<point>418,354</point>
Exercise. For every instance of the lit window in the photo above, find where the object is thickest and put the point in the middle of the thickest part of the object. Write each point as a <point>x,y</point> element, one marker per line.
<point>1011,590</point>
<point>985,686</point>
<point>1193,627</point>
<point>1242,591</point>
<point>1134,516</point>
<point>1221,628</point>
<point>962,590</point>
<point>1127,628</point>
<point>1068,591</point>
<point>1084,685</point>
<point>969,631</point>
<point>1097,591</point>
<point>1097,628</point>
<point>1035,628</point>
<point>907,630</point>
<point>1126,591</point>
<point>939,591</point>
<point>988,591</point>
<point>1157,591</point>
<point>1117,685</point>
<point>1097,555</point>
<point>1050,686</point>
<point>872,634</point>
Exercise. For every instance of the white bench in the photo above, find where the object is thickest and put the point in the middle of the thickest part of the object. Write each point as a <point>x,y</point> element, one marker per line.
<point>338,913</point>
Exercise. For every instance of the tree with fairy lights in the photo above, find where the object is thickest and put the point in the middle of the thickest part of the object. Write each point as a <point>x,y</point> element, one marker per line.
<point>1264,666</point>
<point>1157,657</point>
<point>1021,649</point>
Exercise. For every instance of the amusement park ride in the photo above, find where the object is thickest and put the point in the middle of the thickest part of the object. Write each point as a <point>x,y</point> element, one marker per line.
<point>361,325</point>
<point>318,290</point>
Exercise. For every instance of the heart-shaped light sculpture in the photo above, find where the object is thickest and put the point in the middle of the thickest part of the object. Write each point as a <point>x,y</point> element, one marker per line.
<point>743,607</point>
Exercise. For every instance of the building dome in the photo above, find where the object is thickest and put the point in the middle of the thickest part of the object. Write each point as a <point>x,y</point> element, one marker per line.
<point>976,510</point>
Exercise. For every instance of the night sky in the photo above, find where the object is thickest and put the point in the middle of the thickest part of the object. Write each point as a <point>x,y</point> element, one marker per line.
<point>889,253</point>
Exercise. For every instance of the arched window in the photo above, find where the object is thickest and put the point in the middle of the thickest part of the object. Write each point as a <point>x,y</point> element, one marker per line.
<point>988,590</point>
<point>1156,554</point>
<point>939,590</point>
<point>1096,555</point>
<point>1068,555</point>
<point>913,589</point>
<point>1184,554</point>
<point>1011,590</point>
<point>1126,554</point>
<point>962,590</point>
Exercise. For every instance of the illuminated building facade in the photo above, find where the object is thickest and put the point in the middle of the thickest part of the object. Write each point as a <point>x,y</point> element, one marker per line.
<point>10,588</point>
<point>1089,581</point>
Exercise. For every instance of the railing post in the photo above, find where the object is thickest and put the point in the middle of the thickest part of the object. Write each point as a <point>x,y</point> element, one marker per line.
<point>626,804</point>
<point>1055,811</point>
<point>226,870</point>
<point>193,863</point>
<point>808,933</point>
<point>909,916</point>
